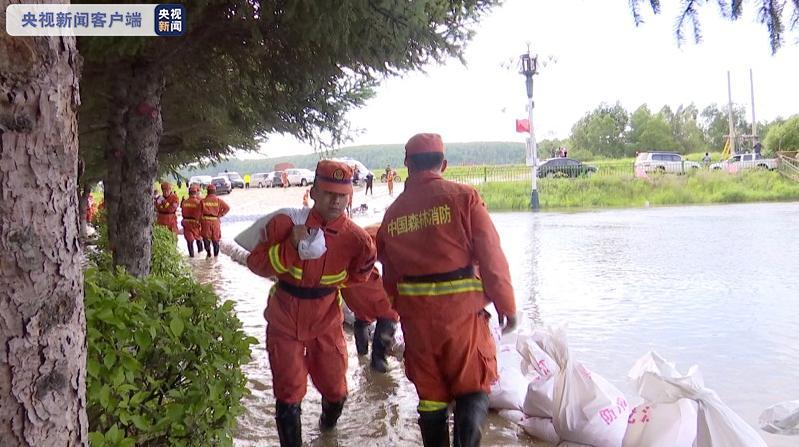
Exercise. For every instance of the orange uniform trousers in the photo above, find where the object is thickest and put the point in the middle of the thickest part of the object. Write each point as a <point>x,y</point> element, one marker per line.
<point>447,358</point>
<point>316,347</point>
<point>192,230</point>
<point>168,220</point>
<point>211,228</point>
<point>368,301</point>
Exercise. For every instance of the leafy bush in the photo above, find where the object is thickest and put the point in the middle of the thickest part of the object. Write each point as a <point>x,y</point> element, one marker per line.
<point>164,357</point>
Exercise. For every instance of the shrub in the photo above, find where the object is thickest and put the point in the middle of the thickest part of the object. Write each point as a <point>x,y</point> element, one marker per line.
<point>164,357</point>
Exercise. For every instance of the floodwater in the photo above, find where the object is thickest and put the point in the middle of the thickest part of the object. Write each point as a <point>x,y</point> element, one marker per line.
<point>714,286</point>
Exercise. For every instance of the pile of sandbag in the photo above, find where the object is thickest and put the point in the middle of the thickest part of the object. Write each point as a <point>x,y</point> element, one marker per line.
<point>567,404</point>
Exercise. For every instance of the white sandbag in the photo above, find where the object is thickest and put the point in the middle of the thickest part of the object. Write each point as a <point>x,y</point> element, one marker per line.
<point>717,425</point>
<point>572,444</point>
<point>509,391</point>
<point>587,408</point>
<point>538,365</point>
<point>781,419</point>
<point>540,428</point>
<point>310,248</point>
<point>659,423</point>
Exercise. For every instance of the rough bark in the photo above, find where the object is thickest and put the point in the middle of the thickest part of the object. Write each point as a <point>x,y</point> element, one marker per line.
<point>131,155</point>
<point>42,322</point>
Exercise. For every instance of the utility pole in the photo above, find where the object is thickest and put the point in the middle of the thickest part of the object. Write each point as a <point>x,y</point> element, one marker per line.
<point>529,67</point>
<point>752,93</point>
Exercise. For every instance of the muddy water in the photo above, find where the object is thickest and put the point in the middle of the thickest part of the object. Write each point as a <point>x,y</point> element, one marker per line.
<point>713,286</point>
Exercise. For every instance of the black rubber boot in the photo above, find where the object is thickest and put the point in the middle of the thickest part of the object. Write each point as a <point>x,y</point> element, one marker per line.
<point>216,248</point>
<point>330,414</point>
<point>434,426</point>
<point>383,338</point>
<point>289,424</point>
<point>470,413</point>
<point>190,244</point>
<point>360,329</point>
<point>207,244</point>
<point>200,247</point>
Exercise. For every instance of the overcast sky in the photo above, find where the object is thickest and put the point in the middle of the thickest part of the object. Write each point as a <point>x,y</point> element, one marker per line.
<point>593,53</point>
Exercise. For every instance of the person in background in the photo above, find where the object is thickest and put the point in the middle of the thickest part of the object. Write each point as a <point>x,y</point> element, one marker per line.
<point>370,178</point>
<point>166,205</point>
<point>213,209</point>
<point>304,333</point>
<point>432,240</point>
<point>758,148</point>
<point>246,181</point>
<point>284,178</point>
<point>192,212</point>
<point>390,173</point>
<point>706,160</point>
<point>305,198</point>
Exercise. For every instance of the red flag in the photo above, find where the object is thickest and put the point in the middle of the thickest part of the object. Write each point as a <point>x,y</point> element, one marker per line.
<point>523,125</point>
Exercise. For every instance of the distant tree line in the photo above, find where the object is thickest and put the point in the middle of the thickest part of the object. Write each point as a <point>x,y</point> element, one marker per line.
<point>605,132</point>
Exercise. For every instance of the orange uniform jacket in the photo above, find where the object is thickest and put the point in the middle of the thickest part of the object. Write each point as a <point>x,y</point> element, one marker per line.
<point>166,212</point>
<point>434,227</point>
<point>349,258</point>
<point>368,301</point>
<point>192,212</point>
<point>213,208</point>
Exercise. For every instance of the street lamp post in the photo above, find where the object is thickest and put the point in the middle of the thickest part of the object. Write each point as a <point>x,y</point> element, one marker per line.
<point>529,67</point>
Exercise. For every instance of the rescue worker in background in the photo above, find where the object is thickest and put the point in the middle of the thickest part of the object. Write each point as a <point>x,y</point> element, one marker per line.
<point>305,197</point>
<point>246,181</point>
<point>304,333</point>
<point>369,302</point>
<point>284,178</point>
<point>390,180</point>
<point>192,212</point>
<point>431,242</point>
<point>166,205</point>
<point>213,208</point>
<point>369,181</point>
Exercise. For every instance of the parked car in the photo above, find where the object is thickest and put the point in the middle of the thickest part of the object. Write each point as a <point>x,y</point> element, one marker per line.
<point>235,179</point>
<point>277,179</point>
<point>662,163</point>
<point>564,167</point>
<point>301,177</point>
<point>222,184</point>
<point>262,179</point>
<point>202,180</point>
<point>742,162</point>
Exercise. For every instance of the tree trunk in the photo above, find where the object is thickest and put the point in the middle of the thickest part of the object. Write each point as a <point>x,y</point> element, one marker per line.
<point>42,322</point>
<point>131,155</point>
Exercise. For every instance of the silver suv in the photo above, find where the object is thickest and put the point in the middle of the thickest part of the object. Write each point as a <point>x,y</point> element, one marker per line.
<point>662,163</point>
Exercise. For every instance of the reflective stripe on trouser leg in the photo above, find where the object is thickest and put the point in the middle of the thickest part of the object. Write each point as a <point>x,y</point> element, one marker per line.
<point>431,405</point>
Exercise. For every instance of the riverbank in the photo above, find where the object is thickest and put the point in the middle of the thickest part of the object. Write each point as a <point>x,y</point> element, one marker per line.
<point>609,192</point>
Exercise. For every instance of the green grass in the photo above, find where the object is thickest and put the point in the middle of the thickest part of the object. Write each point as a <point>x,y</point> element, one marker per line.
<point>598,192</point>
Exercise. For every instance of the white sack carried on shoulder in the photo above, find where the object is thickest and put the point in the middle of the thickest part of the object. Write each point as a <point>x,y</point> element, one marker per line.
<point>781,419</point>
<point>717,424</point>
<point>587,408</point>
<point>311,248</point>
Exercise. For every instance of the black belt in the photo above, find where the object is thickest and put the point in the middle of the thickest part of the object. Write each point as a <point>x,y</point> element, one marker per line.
<point>306,293</point>
<point>166,212</point>
<point>461,273</point>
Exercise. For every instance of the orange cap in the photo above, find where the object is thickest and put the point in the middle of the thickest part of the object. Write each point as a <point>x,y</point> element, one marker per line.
<point>165,186</point>
<point>334,176</point>
<point>424,142</point>
<point>211,188</point>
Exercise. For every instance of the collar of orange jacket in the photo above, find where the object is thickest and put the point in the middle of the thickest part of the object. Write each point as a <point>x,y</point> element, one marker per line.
<point>315,221</point>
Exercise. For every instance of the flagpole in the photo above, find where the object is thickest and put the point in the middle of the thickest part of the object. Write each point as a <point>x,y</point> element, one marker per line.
<point>529,67</point>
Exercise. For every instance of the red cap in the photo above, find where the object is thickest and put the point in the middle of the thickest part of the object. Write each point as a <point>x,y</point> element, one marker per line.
<point>424,142</point>
<point>334,176</point>
<point>211,188</point>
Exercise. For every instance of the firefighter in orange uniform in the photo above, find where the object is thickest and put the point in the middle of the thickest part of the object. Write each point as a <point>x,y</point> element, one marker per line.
<point>369,302</point>
<point>165,206</point>
<point>213,208</point>
<point>192,212</point>
<point>390,173</point>
<point>431,241</point>
<point>304,333</point>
